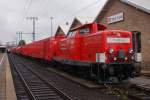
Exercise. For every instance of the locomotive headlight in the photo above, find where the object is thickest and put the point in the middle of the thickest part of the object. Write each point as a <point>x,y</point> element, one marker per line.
<point>115,58</point>
<point>111,51</point>
<point>126,58</point>
<point>130,50</point>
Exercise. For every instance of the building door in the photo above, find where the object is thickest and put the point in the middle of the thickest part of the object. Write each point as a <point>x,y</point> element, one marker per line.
<point>136,39</point>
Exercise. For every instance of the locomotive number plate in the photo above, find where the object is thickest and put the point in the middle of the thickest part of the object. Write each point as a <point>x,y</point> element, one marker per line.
<point>118,40</point>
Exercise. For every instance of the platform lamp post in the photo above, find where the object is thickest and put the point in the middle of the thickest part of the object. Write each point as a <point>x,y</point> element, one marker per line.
<point>51,18</point>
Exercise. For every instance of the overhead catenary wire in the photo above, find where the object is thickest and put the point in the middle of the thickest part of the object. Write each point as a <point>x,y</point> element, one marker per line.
<point>44,9</point>
<point>27,10</point>
<point>80,10</point>
<point>24,8</point>
<point>62,8</point>
<point>28,4</point>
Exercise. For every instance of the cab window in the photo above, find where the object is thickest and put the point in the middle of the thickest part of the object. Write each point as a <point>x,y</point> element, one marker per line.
<point>84,31</point>
<point>71,33</point>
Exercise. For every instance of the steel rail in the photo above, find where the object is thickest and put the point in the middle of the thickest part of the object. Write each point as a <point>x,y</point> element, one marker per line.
<point>139,93</point>
<point>131,91</point>
<point>23,81</point>
<point>44,79</point>
<point>61,94</point>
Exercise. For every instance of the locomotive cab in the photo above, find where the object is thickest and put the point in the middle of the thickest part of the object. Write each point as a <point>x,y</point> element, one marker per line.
<point>119,55</point>
<point>119,60</point>
<point>119,47</point>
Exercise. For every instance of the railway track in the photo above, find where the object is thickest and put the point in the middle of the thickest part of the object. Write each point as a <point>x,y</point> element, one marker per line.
<point>132,91</point>
<point>21,91</point>
<point>139,92</point>
<point>30,85</point>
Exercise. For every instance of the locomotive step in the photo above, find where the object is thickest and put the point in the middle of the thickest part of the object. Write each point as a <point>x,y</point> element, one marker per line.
<point>83,82</point>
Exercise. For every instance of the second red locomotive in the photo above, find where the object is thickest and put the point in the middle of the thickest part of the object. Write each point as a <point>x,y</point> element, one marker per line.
<point>107,55</point>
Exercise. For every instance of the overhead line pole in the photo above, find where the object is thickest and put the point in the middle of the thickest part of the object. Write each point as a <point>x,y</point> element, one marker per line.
<point>20,33</point>
<point>34,19</point>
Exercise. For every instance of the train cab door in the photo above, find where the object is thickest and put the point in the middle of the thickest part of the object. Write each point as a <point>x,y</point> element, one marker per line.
<point>136,40</point>
<point>71,43</point>
<point>46,48</point>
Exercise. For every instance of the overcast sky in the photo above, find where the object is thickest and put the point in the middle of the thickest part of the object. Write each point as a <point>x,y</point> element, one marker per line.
<point>14,12</point>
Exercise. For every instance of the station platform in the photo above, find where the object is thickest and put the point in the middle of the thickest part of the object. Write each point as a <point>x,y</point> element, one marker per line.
<point>142,81</point>
<point>145,72</point>
<point>7,91</point>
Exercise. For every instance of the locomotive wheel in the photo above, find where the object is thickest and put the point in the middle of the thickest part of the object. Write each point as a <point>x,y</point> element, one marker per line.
<point>99,81</point>
<point>101,73</point>
<point>114,80</point>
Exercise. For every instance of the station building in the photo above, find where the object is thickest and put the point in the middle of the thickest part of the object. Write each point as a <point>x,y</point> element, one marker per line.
<point>131,15</point>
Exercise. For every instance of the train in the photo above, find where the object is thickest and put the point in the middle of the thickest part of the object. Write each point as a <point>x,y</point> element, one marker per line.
<point>107,56</point>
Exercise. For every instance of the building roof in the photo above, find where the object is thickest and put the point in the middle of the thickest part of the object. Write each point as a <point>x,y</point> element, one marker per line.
<point>80,20</point>
<point>143,5</point>
<point>85,20</point>
<point>75,23</point>
<point>63,28</point>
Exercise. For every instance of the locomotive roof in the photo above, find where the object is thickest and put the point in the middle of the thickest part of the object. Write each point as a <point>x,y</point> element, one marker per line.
<point>99,25</point>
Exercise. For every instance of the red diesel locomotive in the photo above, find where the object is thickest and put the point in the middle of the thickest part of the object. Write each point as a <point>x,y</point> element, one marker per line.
<point>107,55</point>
